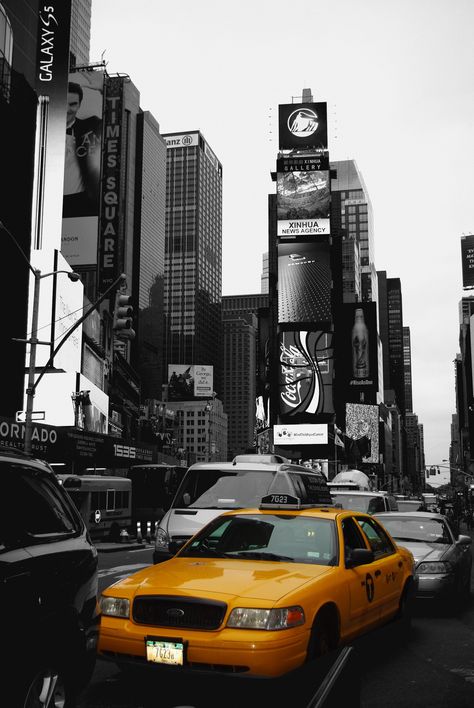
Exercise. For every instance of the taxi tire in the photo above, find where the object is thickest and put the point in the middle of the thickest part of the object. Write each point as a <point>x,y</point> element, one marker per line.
<point>38,678</point>
<point>324,636</point>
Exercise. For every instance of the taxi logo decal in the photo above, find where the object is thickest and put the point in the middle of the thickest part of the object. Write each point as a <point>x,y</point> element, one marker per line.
<point>369,587</point>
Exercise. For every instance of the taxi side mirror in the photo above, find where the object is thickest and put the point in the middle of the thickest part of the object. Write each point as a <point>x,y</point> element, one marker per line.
<point>359,556</point>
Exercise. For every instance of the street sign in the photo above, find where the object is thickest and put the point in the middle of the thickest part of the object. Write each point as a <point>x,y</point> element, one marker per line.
<point>20,416</point>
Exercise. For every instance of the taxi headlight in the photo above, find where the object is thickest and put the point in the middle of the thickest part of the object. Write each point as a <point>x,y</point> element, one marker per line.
<point>115,606</point>
<point>434,568</point>
<point>255,618</point>
<point>161,539</point>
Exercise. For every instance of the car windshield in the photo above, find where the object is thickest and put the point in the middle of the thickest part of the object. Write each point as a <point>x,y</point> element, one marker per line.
<point>217,489</point>
<point>417,529</point>
<point>297,539</point>
<point>359,502</point>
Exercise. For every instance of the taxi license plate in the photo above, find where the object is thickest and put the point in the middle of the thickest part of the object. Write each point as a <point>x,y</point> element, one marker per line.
<point>165,651</point>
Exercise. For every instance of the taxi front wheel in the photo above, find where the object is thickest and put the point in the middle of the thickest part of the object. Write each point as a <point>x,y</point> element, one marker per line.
<point>324,636</point>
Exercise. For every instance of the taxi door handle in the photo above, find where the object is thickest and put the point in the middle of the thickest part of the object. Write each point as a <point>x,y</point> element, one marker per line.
<point>377,573</point>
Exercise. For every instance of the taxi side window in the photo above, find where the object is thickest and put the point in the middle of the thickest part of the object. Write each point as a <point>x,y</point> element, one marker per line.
<point>352,537</point>
<point>379,542</point>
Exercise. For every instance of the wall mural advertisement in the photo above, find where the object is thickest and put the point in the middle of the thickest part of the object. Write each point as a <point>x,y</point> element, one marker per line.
<point>303,126</point>
<point>303,197</point>
<point>187,382</point>
<point>358,350</point>
<point>362,432</point>
<point>305,373</point>
<point>82,167</point>
<point>304,283</point>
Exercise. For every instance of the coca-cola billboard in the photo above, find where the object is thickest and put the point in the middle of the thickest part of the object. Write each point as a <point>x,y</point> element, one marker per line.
<point>305,373</point>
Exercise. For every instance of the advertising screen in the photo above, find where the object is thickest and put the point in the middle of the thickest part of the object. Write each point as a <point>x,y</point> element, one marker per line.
<point>467,256</point>
<point>311,434</point>
<point>305,373</point>
<point>303,126</point>
<point>362,432</point>
<point>357,352</point>
<point>304,283</point>
<point>303,198</point>
<point>82,167</point>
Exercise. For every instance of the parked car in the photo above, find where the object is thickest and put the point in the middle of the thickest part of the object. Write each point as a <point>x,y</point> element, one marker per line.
<point>443,561</point>
<point>210,488</point>
<point>48,587</point>
<point>258,592</point>
<point>370,502</point>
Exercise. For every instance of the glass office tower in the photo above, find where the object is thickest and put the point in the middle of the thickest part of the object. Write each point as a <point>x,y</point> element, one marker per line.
<point>193,254</point>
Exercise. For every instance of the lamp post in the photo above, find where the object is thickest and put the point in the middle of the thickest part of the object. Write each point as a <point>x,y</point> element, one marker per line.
<point>208,408</point>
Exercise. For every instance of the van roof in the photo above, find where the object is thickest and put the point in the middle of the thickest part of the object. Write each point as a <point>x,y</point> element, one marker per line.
<point>361,492</point>
<point>263,466</point>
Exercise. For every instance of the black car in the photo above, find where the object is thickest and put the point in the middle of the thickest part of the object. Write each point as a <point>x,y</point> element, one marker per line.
<point>48,580</point>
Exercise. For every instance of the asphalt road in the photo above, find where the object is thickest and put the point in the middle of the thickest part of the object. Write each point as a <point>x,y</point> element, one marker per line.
<point>433,667</point>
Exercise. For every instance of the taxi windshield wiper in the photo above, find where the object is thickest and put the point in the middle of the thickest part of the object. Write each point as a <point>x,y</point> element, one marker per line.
<point>262,555</point>
<point>410,538</point>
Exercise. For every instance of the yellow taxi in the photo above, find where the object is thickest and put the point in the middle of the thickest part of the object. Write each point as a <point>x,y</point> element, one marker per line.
<point>259,592</point>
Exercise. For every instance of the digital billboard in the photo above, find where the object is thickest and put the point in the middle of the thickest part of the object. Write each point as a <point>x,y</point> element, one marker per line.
<point>303,126</point>
<point>362,432</point>
<point>305,373</point>
<point>310,434</point>
<point>82,167</point>
<point>186,382</point>
<point>467,256</point>
<point>304,283</point>
<point>357,349</point>
<point>303,197</point>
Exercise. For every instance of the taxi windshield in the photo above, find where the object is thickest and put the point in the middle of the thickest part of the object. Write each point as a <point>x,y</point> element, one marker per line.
<point>412,529</point>
<point>273,537</point>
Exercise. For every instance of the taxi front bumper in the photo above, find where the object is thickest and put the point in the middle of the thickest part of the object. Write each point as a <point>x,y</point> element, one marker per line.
<point>247,652</point>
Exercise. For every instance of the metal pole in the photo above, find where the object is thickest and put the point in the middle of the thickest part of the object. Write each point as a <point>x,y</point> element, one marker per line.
<point>30,391</point>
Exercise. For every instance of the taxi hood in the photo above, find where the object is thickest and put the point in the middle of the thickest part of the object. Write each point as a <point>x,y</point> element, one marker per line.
<point>423,551</point>
<point>227,578</point>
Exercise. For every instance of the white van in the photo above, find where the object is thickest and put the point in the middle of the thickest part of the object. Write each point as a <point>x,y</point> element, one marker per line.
<point>209,488</point>
<point>370,502</point>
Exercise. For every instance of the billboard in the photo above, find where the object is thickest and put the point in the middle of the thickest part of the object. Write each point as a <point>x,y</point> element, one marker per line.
<point>305,373</point>
<point>303,197</point>
<point>311,434</point>
<point>362,432</point>
<point>303,126</point>
<point>82,167</point>
<point>357,349</point>
<point>180,141</point>
<point>304,283</point>
<point>187,382</point>
<point>467,256</point>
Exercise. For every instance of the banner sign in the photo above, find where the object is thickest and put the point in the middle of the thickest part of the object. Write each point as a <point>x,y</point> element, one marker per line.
<point>58,444</point>
<point>188,382</point>
<point>303,126</point>
<point>305,373</point>
<point>300,434</point>
<point>467,256</point>
<point>304,283</point>
<point>109,251</point>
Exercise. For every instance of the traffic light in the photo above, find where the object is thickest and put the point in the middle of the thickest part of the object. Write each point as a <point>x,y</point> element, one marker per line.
<point>123,313</point>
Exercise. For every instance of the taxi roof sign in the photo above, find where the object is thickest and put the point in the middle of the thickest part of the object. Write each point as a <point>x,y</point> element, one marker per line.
<point>280,501</point>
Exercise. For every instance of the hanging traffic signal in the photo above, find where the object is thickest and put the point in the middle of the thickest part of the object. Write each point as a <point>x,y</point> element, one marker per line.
<point>123,313</point>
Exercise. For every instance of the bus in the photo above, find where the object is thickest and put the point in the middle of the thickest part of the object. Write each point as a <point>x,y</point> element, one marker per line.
<point>104,502</point>
<point>153,489</point>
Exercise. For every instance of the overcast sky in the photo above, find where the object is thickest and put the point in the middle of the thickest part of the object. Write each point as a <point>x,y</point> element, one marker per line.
<point>398,78</point>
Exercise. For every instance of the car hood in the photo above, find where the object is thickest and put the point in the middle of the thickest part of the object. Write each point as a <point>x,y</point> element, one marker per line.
<point>423,551</point>
<point>223,579</point>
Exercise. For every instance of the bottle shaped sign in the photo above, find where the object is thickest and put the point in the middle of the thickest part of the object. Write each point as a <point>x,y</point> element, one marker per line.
<point>360,346</point>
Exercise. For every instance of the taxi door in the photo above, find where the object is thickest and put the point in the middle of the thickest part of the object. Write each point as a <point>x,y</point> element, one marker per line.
<point>362,611</point>
<point>387,567</point>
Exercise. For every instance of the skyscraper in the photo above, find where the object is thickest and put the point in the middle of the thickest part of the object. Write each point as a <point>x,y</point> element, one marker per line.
<point>407,368</point>
<point>193,253</point>
<point>80,39</point>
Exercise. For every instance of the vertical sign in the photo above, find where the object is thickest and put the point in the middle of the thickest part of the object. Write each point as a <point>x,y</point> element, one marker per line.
<point>111,187</point>
<point>467,255</point>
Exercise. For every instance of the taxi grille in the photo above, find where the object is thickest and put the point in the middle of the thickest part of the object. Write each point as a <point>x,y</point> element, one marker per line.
<point>169,611</point>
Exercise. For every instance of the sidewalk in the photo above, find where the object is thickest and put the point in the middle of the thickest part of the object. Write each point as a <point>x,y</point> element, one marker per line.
<point>130,544</point>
